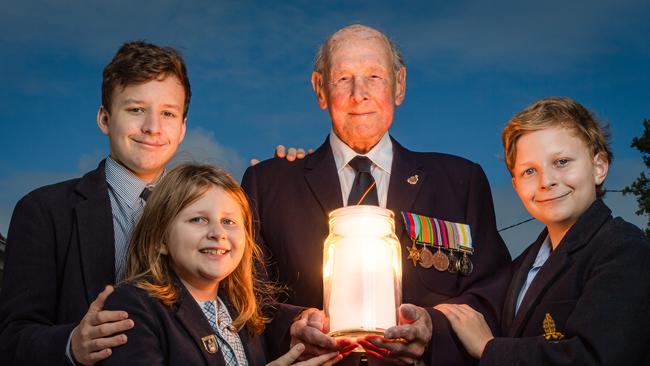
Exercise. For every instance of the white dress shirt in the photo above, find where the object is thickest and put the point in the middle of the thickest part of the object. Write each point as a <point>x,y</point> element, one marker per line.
<point>381,156</point>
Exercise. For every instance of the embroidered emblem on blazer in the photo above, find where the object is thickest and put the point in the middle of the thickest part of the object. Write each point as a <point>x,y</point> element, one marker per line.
<point>210,343</point>
<point>550,333</point>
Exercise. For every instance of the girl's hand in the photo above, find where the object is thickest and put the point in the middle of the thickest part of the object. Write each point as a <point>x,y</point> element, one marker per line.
<point>295,352</point>
<point>469,325</point>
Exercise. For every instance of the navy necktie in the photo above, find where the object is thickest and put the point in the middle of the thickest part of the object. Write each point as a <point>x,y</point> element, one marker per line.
<point>145,193</point>
<point>364,188</point>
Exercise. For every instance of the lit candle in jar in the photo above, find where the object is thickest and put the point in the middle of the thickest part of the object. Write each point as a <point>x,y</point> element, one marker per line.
<point>361,271</point>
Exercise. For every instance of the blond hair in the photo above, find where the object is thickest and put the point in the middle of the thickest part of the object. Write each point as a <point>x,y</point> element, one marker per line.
<point>148,269</point>
<point>557,112</point>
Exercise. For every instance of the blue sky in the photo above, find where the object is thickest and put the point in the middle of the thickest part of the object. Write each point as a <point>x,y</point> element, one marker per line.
<point>470,66</point>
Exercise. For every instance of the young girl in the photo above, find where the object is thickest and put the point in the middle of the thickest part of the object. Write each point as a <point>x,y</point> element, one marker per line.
<point>580,294</point>
<point>192,289</point>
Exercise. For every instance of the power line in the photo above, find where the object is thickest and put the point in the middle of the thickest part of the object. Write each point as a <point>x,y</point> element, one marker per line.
<point>532,218</point>
<point>517,224</point>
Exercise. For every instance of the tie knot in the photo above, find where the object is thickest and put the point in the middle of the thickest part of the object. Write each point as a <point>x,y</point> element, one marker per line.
<point>145,193</point>
<point>360,164</point>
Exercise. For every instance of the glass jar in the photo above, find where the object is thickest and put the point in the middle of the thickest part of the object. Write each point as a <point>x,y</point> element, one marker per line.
<point>362,271</point>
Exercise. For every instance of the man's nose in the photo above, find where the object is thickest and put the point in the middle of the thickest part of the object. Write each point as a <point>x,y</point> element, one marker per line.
<point>359,88</point>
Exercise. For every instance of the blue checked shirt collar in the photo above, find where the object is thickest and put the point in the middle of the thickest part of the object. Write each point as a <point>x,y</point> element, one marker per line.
<point>124,184</point>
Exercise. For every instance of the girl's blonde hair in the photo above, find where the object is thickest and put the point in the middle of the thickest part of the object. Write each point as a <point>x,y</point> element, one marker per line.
<point>148,269</point>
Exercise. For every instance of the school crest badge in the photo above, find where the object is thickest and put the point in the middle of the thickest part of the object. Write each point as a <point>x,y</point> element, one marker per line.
<point>550,332</point>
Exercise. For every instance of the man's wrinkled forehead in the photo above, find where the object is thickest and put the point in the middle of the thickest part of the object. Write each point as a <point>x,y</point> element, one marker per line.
<point>357,34</point>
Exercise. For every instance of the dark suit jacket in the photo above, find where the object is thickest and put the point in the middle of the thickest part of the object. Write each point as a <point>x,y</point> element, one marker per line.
<point>165,335</point>
<point>60,255</point>
<point>292,201</point>
<point>594,286</point>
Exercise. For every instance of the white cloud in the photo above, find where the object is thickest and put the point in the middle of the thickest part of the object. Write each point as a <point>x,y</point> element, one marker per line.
<point>200,146</point>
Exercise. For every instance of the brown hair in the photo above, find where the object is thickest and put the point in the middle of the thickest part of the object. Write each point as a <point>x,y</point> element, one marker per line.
<point>148,269</point>
<point>139,62</point>
<point>557,111</point>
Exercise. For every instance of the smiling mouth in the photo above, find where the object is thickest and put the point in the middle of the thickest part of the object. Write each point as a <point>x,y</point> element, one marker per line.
<point>554,198</point>
<point>213,251</point>
<point>149,143</point>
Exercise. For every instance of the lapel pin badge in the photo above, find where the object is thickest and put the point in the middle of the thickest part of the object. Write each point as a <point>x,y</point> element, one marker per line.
<point>413,180</point>
<point>210,344</point>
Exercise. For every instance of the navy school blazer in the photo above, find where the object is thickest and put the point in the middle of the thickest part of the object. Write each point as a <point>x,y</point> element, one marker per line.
<point>172,335</point>
<point>60,256</point>
<point>588,305</point>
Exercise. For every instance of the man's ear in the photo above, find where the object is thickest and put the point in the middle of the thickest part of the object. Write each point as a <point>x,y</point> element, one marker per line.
<point>601,168</point>
<point>102,120</point>
<point>318,83</point>
<point>400,85</point>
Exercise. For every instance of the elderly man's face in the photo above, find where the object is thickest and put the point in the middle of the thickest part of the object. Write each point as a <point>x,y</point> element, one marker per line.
<point>360,89</point>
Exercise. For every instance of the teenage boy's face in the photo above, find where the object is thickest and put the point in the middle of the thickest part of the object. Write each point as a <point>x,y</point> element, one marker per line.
<point>555,176</point>
<point>145,125</point>
<point>206,242</point>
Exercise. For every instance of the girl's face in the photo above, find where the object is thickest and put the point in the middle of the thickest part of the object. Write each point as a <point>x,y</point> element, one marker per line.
<point>206,242</point>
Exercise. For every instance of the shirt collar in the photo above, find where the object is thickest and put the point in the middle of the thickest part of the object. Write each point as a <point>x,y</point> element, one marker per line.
<point>381,154</point>
<point>543,254</point>
<point>126,185</point>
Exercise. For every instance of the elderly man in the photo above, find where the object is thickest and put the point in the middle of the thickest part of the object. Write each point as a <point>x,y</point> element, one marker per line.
<point>360,78</point>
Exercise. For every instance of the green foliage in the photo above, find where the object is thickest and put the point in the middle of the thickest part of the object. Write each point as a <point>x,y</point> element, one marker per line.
<point>641,186</point>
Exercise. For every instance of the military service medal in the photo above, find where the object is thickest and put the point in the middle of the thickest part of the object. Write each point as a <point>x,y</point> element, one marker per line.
<point>446,237</point>
<point>426,258</point>
<point>414,254</point>
<point>453,262</point>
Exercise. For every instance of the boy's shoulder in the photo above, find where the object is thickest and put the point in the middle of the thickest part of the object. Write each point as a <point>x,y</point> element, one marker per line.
<point>626,236</point>
<point>70,189</point>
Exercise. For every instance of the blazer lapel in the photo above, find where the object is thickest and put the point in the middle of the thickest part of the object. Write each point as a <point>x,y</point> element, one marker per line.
<point>191,317</point>
<point>553,267</point>
<point>406,178</point>
<point>323,179</point>
<point>517,281</point>
<point>94,220</point>
<point>252,346</point>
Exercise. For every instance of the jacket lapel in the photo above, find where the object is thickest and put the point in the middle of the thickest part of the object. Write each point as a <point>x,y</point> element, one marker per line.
<point>94,220</point>
<point>323,179</point>
<point>517,281</point>
<point>252,346</point>
<point>406,178</point>
<point>554,266</point>
<point>190,316</point>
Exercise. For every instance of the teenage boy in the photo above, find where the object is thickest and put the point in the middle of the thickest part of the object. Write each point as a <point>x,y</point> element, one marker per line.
<point>579,294</point>
<point>68,241</point>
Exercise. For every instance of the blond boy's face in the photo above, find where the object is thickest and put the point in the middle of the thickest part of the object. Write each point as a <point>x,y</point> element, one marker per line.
<point>555,176</point>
